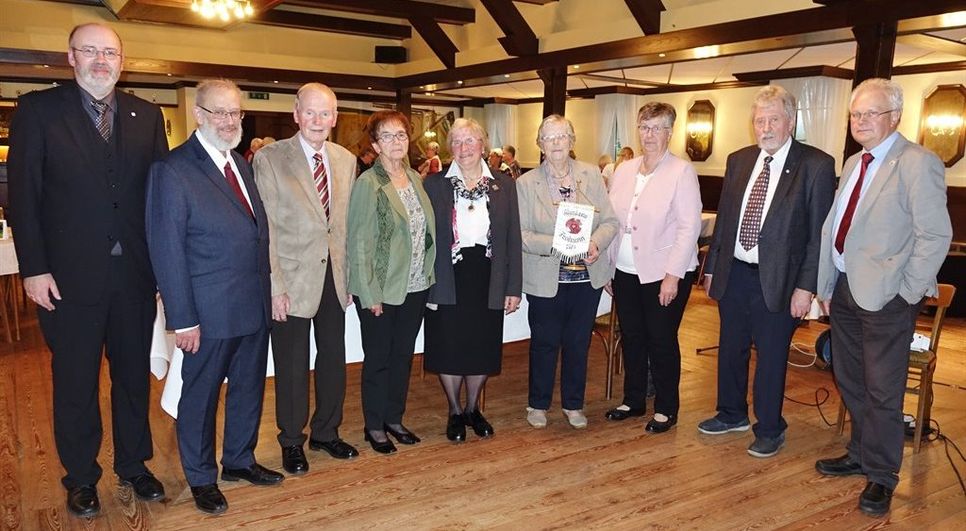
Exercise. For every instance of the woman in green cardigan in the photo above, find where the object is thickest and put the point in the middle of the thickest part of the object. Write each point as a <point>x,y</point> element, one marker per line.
<point>391,257</point>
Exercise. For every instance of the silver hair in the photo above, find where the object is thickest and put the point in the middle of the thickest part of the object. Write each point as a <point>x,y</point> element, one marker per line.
<point>470,125</point>
<point>891,89</point>
<point>557,119</point>
<point>774,93</point>
<point>208,85</point>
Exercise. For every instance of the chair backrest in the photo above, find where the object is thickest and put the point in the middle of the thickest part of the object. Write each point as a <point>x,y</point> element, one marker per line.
<point>941,302</point>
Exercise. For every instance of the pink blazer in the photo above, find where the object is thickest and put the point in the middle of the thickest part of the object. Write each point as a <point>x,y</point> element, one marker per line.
<point>666,220</point>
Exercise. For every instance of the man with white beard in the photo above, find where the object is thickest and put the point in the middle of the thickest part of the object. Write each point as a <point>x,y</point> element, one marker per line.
<point>208,236</point>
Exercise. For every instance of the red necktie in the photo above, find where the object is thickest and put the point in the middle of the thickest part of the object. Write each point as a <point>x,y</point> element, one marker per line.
<point>754,210</point>
<point>321,183</point>
<point>850,208</point>
<point>233,182</point>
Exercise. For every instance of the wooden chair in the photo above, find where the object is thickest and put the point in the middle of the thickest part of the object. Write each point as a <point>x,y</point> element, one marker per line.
<point>10,290</point>
<point>922,366</point>
<point>607,324</point>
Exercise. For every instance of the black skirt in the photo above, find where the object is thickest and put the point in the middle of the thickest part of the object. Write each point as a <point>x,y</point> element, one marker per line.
<point>466,338</point>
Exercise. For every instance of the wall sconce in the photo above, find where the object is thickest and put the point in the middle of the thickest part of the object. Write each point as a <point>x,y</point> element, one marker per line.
<point>700,129</point>
<point>942,129</point>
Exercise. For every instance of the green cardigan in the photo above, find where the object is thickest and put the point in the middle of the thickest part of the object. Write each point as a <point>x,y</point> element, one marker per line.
<point>379,243</point>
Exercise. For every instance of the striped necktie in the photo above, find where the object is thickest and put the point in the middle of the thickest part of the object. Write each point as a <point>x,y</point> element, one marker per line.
<point>321,178</point>
<point>102,123</point>
<point>754,210</point>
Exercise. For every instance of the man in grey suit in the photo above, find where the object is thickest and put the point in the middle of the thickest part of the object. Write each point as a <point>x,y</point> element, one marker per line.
<point>763,260</point>
<point>305,182</point>
<point>882,245</point>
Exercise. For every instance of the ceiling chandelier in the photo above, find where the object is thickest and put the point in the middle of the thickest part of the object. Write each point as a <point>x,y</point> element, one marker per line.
<point>223,9</point>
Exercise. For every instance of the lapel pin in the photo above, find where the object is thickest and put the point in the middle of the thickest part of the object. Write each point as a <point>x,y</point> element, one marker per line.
<point>495,187</point>
<point>892,162</point>
<point>133,114</point>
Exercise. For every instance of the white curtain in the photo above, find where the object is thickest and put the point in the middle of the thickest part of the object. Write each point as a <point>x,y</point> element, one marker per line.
<point>823,111</point>
<point>616,115</point>
<point>500,122</point>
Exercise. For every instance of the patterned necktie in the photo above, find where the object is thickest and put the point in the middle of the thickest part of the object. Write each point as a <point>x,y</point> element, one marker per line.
<point>103,125</point>
<point>321,183</point>
<point>233,183</point>
<point>853,202</point>
<point>751,223</point>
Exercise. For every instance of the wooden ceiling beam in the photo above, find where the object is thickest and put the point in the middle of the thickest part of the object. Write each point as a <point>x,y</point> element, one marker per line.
<point>396,9</point>
<point>519,39</point>
<point>668,89</point>
<point>791,73</point>
<point>934,44</point>
<point>647,13</point>
<point>437,39</point>
<point>347,26</point>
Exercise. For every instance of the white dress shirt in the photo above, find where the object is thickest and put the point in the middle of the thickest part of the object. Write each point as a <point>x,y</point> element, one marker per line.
<point>776,169</point>
<point>471,225</point>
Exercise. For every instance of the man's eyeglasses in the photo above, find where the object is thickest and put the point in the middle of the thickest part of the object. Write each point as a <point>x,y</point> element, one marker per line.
<point>646,129</point>
<point>386,138</point>
<point>224,115</point>
<point>867,115</point>
<point>91,52</point>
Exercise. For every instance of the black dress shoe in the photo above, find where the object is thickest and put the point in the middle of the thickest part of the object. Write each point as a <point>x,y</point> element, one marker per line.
<point>255,474</point>
<point>146,486</point>
<point>208,499</point>
<point>839,466</point>
<point>624,414</point>
<point>337,448</point>
<point>480,426</point>
<point>403,436</point>
<point>385,447</point>
<point>456,428</point>
<point>293,460</point>
<point>656,426</point>
<point>82,501</point>
<point>875,499</point>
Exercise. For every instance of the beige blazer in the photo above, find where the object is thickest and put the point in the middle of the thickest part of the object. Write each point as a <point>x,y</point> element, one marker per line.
<point>538,215</point>
<point>900,232</point>
<point>302,244</point>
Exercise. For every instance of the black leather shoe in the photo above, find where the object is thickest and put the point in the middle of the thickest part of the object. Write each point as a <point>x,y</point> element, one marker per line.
<point>146,486</point>
<point>621,414</point>
<point>839,466</point>
<point>480,426</point>
<point>208,499</point>
<point>293,460</point>
<point>456,428</point>
<point>403,436</point>
<point>337,448</point>
<point>875,499</point>
<point>386,447</point>
<point>82,501</point>
<point>656,426</point>
<point>255,474</point>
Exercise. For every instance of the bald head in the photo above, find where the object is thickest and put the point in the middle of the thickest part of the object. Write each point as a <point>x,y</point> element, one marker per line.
<point>316,111</point>
<point>95,54</point>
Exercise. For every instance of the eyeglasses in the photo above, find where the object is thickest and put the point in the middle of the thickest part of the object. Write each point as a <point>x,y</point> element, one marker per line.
<point>646,129</point>
<point>224,115</point>
<point>468,142</point>
<point>868,115</point>
<point>386,138</point>
<point>550,139</point>
<point>91,52</point>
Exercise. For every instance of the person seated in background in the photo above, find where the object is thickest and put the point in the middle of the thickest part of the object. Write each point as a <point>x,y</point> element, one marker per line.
<point>510,159</point>
<point>626,153</point>
<point>365,159</point>
<point>495,161</point>
<point>432,164</point>
<point>253,146</point>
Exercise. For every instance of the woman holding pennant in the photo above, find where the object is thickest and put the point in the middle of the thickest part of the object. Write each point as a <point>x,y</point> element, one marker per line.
<point>567,224</point>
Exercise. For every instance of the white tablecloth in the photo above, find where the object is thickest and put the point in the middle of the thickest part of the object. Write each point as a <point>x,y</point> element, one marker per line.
<point>166,358</point>
<point>8,258</point>
<point>707,225</point>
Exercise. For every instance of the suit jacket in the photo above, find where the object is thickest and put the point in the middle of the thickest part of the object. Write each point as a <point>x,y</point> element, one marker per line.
<point>506,265</point>
<point>209,255</point>
<point>538,215</point>
<point>666,219</point>
<point>900,231</point>
<point>790,237</point>
<point>302,240</point>
<point>71,203</point>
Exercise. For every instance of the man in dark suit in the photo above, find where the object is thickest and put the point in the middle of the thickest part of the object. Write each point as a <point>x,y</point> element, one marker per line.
<point>79,159</point>
<point>882,245</point>
<point>305,182</point>
<point>763,261</point>
<point>208,236</point>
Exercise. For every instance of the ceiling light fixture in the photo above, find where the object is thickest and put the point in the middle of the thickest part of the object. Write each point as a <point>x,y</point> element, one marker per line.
<point>223,9</point>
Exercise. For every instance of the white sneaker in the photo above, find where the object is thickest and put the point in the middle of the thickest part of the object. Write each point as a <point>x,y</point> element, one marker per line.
<point>537,417</point>
<point>576,417</point>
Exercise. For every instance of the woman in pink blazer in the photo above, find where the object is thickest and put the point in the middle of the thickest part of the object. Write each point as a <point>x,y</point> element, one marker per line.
<point>657,200</point>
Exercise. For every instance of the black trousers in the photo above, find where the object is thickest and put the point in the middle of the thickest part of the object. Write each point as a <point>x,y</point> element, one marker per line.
<point>745,320</point>
<point>649,340</point>
<point>388,342</point>
<point>290,349</point>
<point>242,360</point>
<point>76,336</point>
<point>871,360</point>
<point>562,326</point>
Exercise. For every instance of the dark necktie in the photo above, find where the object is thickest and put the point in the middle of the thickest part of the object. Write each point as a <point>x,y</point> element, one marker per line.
<point>102,123</point>
<point>751,223</point>
<point>321,183</point>
<point>853,202</point>
<point>233,182</point>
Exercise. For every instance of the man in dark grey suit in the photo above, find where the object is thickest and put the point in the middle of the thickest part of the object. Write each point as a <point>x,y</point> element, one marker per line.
<point>763,261</point>
<point>882,245</point>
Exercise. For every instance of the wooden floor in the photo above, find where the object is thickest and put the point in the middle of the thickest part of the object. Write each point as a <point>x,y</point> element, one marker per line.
<point>611,475</point>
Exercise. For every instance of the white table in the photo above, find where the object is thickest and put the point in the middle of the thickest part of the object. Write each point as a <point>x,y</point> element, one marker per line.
<point>707,225</point>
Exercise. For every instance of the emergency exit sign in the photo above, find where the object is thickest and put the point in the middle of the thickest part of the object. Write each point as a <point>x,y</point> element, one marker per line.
<point>258,95</point>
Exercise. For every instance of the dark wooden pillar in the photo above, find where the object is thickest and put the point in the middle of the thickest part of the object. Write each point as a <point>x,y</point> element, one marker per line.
<point>404,103</point>
<point>875,48</point>
<point>554,90</point>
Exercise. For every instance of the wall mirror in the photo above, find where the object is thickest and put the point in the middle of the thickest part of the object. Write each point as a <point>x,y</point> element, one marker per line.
<point>941,129</point>
<point>700,130</point>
